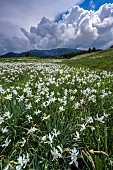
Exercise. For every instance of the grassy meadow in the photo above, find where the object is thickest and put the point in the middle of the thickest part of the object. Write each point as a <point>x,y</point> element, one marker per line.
<point>57,114</point>
<point>102,60</point>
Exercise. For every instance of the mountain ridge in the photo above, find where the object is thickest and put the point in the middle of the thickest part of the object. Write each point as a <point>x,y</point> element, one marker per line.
<point>41,53</point>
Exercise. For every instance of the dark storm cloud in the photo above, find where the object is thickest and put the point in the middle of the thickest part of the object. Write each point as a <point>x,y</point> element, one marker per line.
<point>14,44</point>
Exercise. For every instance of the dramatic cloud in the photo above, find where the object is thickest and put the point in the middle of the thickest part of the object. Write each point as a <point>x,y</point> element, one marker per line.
<point>13,44</point>
<point>24,13</point>
<point>78,28</point>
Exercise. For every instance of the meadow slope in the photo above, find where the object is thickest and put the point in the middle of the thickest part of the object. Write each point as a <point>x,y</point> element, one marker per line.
<point>57,114</point>
<point>98,60</point>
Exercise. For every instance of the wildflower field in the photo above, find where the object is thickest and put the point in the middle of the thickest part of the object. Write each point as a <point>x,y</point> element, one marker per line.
<point>55,117</point>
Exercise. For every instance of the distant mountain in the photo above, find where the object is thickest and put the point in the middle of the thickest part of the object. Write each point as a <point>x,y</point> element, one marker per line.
<point>41,53</point>
<point>11,54</point>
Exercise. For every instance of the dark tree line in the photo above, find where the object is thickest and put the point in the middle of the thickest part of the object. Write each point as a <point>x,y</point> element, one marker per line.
<point>27,54</point>
<point>93,50</point>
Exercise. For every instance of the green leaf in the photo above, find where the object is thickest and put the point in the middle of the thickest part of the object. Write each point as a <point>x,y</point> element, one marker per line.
<point>98,163</point>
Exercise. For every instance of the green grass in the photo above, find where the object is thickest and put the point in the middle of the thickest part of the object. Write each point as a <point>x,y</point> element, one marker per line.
<point>52,115</point>
<point>99,60</point>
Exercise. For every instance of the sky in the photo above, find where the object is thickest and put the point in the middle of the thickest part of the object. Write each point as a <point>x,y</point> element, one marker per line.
<point>47,24</point>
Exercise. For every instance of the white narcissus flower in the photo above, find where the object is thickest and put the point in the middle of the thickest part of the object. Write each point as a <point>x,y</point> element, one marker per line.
<point>77,136</point>
<point>61,109</point>
<point>60,148</point>
<point>8,97</point>
<point>22,161</point>
<point>43,139</point>
<point>8,167</point>
<point>73,156</point>
<point>100,119</point>
<point>21,98</point>
<point>18,167</point>
<point>77,105</point>
<point>50,139</point>
<point>7,115</point>
<point>23,142</point>
<point>29,117</point>
<point>83,127</point>
<point>90,120</point>
<point>92,128</point>
<point>1,120</point>
<point>26,160</point>
<point>28,106</point>
<point>1,89</point>
<point>105,115</point>
<point>14,92</point>
<point>4,130</point>
<point>6,143</point>
<point>56,154</point>
<point>33,129</point>
<point>46,117</point>
<point>37,112</point>
<point>56,133</point>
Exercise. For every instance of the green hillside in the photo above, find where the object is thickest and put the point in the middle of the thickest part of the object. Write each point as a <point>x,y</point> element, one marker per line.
<point>97,60</point>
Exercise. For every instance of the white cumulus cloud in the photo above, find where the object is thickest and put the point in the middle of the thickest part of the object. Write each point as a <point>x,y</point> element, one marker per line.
<point>78,28</point>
